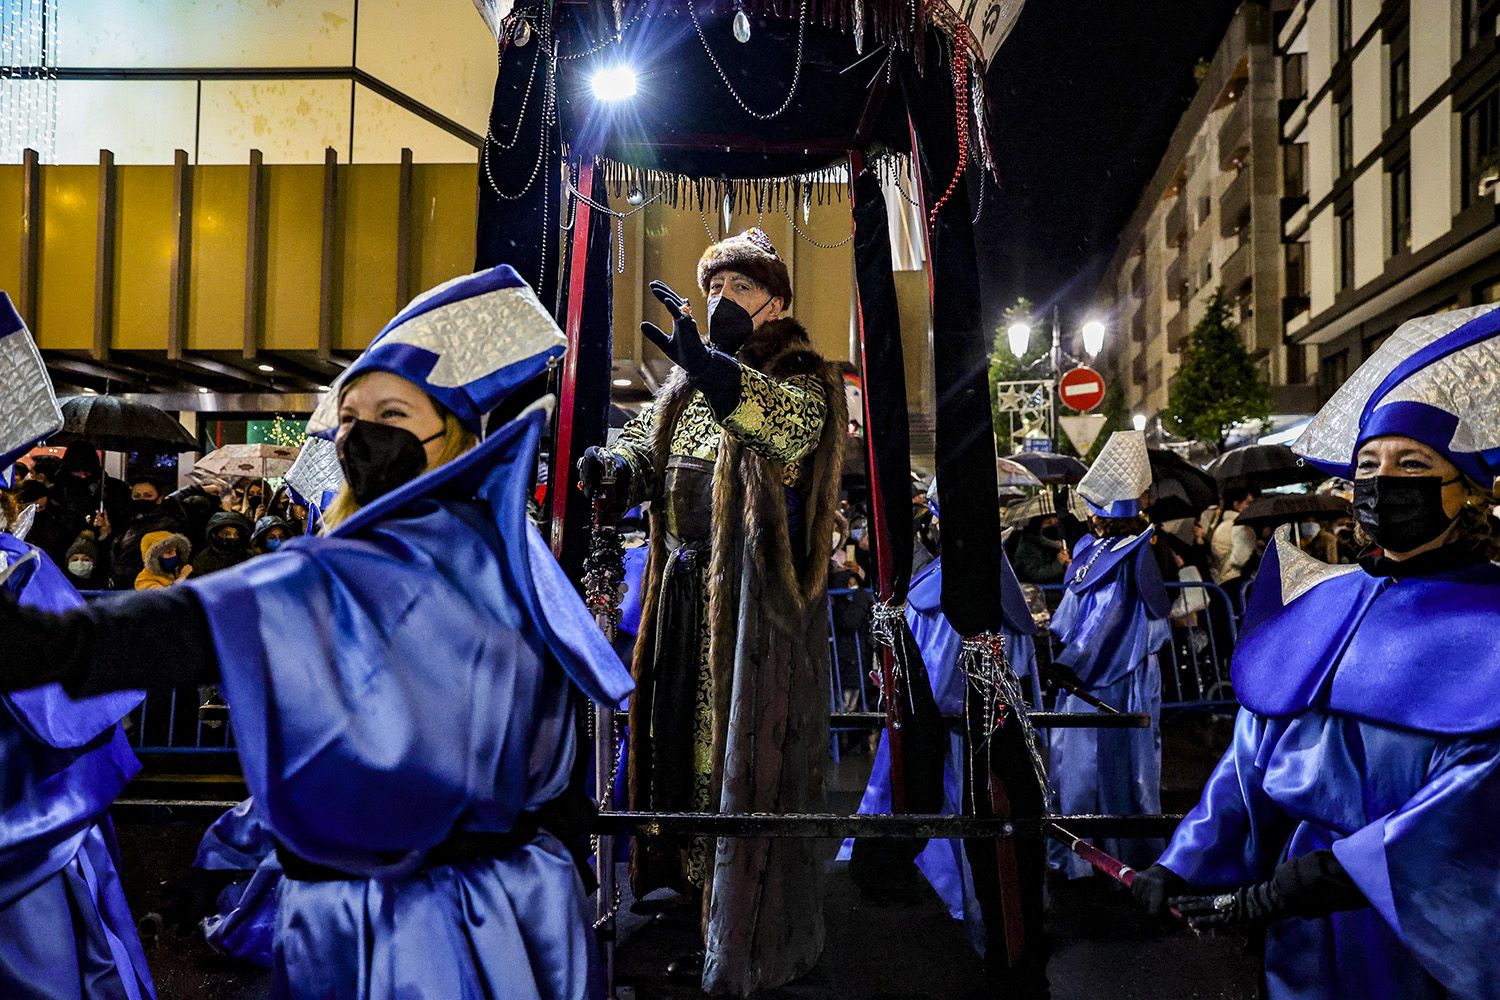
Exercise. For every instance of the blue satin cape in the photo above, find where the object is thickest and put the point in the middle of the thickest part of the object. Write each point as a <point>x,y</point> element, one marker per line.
<point>404,678</point>
<point>1112,619</point>
<point>943,862</point>
<point>243,924</point>
<point>65,929</point>
<point>1369,725</point>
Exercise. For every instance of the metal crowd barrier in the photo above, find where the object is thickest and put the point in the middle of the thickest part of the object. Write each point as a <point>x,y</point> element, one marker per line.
<point>1195,663</point>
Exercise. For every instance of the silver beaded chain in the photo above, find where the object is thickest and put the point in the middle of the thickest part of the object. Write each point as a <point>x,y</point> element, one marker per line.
<point>515,135</point>
<point>821,246</point>
<point>796,71</point>
<point>616,217</point>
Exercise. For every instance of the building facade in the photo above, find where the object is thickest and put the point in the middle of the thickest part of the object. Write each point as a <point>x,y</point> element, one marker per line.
<point>1393,110</point>
<point>1210,218</point>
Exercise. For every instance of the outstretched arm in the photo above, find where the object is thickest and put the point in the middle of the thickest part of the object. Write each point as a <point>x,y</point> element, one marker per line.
<point>149,639</point>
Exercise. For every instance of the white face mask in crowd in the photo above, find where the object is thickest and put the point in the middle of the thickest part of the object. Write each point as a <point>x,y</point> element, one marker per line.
<point>1309,529</point>
<point>81,568</point>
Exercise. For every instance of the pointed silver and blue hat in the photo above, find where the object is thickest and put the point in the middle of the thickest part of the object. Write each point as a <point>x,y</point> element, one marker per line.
<point>1119,476</point>
<point>468,343</point>
<point>1436,380</point>
<point>28,404</point>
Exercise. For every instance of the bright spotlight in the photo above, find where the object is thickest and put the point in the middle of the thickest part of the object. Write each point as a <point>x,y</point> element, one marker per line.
<point>614,83</point>
<point>1019,335</point>
<point>1138,421</point>
<point>1093,337</point>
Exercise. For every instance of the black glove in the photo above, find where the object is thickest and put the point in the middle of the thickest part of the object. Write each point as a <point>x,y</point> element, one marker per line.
<point>713,373</point>
<point>1312,885</point>
<point>1152,887</point>
<point>1059,676</point>
<point>593,468</point>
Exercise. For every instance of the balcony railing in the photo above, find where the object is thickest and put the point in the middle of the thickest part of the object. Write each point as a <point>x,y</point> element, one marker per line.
<point>1176,286</point>
<point>1176,225</point>
<point>1236,271</point>
<point>1234,134</point>
<point>1177,330</point>
<point>1234,206</point>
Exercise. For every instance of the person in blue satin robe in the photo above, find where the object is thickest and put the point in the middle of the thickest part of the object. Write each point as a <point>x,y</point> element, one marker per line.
<point>404,688</point>
<point>242,922</point>
<point>1112,620</point>
<point>943,862</point>
<point>66,932</point>
<point>1353,819</point>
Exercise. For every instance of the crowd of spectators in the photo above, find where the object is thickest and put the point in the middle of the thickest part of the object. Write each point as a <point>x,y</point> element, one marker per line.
<point>136,535</point>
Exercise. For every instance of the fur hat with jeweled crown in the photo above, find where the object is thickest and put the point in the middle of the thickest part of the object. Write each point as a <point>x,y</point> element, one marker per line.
<point>752,254</point>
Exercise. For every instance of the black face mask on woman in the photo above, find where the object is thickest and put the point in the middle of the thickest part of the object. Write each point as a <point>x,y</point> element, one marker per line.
<point>377,458</point>
<point>1401,512</point>
<point>729,325</point>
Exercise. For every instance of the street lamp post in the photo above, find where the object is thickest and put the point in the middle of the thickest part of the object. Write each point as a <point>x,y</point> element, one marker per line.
<point>1019,336</point>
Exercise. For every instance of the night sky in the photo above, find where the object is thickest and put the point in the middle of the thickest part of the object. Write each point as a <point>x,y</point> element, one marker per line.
<point>1086,94</point>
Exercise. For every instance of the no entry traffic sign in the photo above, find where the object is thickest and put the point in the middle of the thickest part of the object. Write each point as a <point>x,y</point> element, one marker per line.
<point>1081,389</point>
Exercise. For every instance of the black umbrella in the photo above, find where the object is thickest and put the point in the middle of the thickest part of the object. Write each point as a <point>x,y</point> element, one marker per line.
<point>1173,476</point>
<point>1262,466</point>
<point>1050,467</point>
<point>1284,508</point>
<point>115,424</point>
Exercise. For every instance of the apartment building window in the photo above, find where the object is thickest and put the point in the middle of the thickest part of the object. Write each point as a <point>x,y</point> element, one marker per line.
<point>1344,109</point>
<point>1296,364</point>
<point>1294,76</point>
<point>1479,21</point>
<point>1344,13</point>
<point>1400,75</point>
<point>1294,170</point>
<point>1346,246</point>
<point>1334,371</point>
<point>1206,273</point>
<point>1205,208</point>
<point>1400,189</point>
<point>1296,270</point>
<point>1481,142</point>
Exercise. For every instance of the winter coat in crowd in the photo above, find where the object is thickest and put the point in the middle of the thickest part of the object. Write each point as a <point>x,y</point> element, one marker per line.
<point>226,542</point>
<point>260,542</point>
<point>79,481</point>
<point>125,552</point>
<point>84,569</point>
<point>51,530</point>
<point>162,570</point>
<point>1036,556</point>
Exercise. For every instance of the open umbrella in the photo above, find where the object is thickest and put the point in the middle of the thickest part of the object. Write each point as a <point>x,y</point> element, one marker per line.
<point>1042,505</point>
<point>1012,474</point>
<point>1173,476</point>
<point>1262,466</point>
<point>1285,508</point>
<point>236,461</point>
<point>1050,467</point>
<point>115,424</point>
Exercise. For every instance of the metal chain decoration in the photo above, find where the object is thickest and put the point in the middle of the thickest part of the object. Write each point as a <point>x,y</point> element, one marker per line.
<point>796,70</point>
<point>821,246</point>
<point>887,621</point>
<point>984,661</point>
<point>617,218</point>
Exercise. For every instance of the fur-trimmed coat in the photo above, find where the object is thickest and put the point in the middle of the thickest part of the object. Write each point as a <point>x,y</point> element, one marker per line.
<point>769,671</point>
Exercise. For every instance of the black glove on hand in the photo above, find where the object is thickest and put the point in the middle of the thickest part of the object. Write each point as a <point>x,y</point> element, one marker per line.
<point>593,468</point>
<point>683,345</point>
<point>1152,887</point>
<point>714,374</point>
<point>1059,676</point>
<point>1312,885</point>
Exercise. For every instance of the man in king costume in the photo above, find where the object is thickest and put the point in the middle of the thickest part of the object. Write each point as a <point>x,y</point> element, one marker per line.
<point>740,456</point>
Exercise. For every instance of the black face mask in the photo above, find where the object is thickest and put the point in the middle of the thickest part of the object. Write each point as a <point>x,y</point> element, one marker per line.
<point>143,508</point>
<point>1401,512</point>
<point>377,458</point>
<point>729,325</point>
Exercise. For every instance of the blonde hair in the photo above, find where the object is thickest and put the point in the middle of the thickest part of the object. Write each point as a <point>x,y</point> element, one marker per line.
<point>456,440</point>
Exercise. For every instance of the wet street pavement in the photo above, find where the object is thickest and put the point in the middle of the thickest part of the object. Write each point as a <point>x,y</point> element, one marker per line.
<point>1101,946</point>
